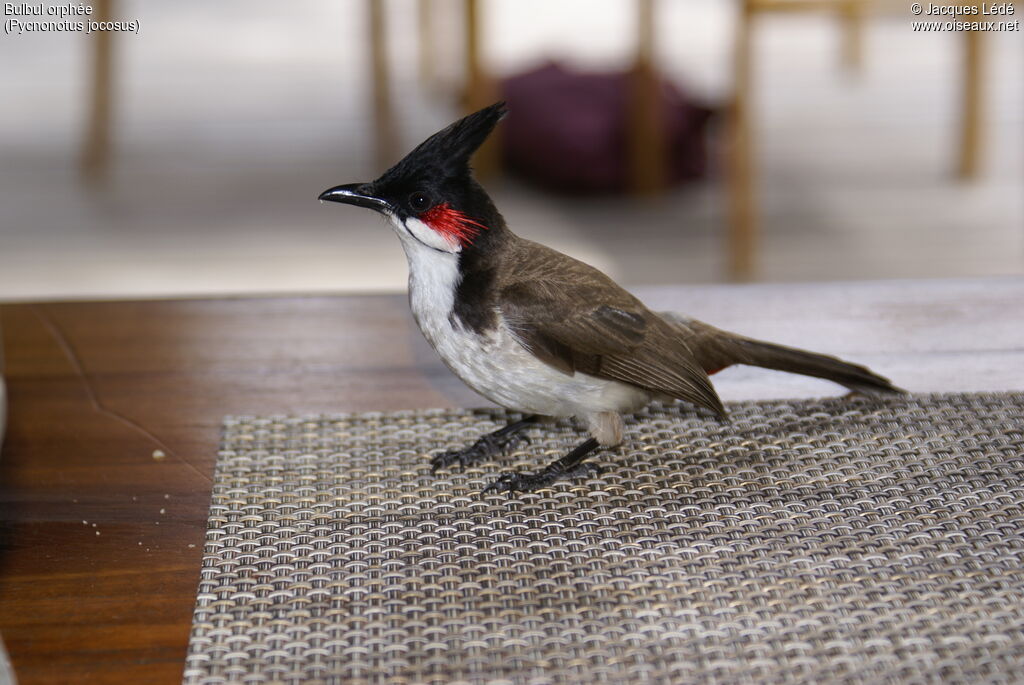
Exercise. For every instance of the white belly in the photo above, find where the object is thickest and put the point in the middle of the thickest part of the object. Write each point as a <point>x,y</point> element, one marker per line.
<point>496,365</point>
<point>502,370</point>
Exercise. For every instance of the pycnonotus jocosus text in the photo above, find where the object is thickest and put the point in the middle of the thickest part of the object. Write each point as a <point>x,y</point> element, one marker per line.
<point>539,332</point>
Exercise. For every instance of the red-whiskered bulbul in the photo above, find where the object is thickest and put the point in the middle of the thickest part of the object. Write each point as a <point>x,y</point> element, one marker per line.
<point>537,331</point>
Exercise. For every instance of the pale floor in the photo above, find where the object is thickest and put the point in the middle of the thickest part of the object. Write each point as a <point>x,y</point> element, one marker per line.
<point>232,117</point>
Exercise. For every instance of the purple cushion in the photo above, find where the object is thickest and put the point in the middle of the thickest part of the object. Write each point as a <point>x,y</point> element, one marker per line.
<point>567,131</point>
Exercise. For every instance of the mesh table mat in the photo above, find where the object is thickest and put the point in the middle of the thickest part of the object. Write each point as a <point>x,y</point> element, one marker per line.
<point>844,540</point>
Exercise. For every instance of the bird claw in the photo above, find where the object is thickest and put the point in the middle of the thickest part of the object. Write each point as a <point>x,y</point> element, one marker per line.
<point>487,446</point>
<point>510,482</point>
<point>463,458</point>
<point>527,482</point>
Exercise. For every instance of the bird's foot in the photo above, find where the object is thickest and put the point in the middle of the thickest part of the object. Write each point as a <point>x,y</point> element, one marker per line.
<point>526,482</point>
<point>486,447</point>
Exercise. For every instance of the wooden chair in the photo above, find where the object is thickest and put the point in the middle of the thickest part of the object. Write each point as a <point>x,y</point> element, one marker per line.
<point>743,225</point>
<point>94,159</point>
<point>646,148</point>
<point>741,181</point>
<point>385,134</point>
<point>971,106</point>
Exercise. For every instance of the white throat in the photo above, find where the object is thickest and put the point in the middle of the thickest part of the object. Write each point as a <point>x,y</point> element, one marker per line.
<point>433,275</point>
<point>414,230</point>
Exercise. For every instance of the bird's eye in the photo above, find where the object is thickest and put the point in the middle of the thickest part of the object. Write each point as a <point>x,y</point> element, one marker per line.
<point>419,201</point>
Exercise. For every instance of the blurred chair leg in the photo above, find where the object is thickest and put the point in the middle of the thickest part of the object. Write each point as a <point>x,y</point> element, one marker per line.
<point>427,38</point>
<point>94,162</point>
<point>852,14</point>
<point>971,106</point>
<point>383,115</point>
<point>742,242</point>
<point>481,90</point>
<point>646,151</point>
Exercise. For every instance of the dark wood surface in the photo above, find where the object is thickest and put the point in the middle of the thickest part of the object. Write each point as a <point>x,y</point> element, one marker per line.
<point>101,538</point>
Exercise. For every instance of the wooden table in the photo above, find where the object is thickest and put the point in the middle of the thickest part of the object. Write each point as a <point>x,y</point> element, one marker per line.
<point>101,537</point>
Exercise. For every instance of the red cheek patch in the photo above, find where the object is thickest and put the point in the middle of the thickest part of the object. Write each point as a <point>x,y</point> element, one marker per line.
<point>452,224</point>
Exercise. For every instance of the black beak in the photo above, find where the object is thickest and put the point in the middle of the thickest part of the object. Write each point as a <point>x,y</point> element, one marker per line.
<point>355,194</point>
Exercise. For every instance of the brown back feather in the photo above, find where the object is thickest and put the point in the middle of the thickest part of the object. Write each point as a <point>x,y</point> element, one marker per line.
<point>576,319</point>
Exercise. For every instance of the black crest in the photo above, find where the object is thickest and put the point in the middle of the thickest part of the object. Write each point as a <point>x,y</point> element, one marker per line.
<point>447,152</point>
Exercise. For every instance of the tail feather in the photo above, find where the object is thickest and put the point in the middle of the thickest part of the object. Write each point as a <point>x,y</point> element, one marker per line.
<point>716,349</point>
<point>853,376</point>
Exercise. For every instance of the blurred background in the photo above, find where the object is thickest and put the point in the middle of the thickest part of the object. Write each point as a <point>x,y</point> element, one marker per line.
<point>774,140</point>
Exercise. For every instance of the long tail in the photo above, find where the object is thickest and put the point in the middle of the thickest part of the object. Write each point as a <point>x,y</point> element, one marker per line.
<point>770,356</point>
<point>717,349</point>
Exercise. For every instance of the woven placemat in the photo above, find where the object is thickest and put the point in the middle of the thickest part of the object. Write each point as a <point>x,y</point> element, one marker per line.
<point>842,540</point>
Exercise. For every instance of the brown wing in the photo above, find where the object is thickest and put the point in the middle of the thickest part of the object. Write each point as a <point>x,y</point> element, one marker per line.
<point>575,318</point>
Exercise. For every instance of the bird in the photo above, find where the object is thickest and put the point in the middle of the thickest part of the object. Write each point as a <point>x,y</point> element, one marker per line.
<point>539,332</point>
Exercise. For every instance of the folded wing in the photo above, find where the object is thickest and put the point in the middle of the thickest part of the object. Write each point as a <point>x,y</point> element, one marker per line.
<point>578,320</point>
